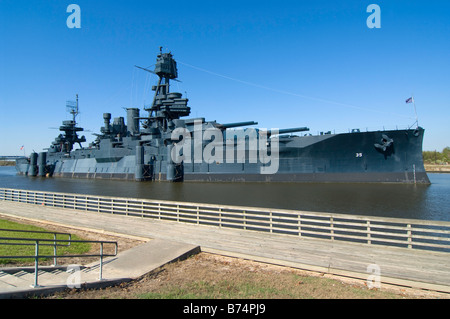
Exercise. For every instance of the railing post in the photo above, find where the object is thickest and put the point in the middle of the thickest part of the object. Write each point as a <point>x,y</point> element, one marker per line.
<point>368,232</point>
<point>408,227</point>
<point>101,261</point>
<point>159,210</point>
<point>299,225</point>
<point>271,221</point>
<point>54,250</point>
<point>331,230</point>
<point>36,262</point>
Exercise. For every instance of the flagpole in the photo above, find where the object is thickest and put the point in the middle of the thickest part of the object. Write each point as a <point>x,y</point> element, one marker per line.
<point>415,111</point>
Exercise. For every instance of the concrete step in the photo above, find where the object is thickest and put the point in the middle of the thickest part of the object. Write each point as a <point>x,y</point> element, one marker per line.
<point>26,277</point>
<point>10,281</point>
<point>56,276</point>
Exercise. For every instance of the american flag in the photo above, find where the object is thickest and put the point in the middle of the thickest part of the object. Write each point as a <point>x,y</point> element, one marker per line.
<point>410,100</point>
<point>21,148</point>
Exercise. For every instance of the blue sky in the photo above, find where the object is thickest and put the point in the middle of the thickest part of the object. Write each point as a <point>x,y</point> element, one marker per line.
<point>280,63</point>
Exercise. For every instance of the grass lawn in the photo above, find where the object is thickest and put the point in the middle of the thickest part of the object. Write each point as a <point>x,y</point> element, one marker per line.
<point>29,250</point>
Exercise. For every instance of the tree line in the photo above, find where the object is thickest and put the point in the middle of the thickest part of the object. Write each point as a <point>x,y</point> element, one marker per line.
<point>435,157</point>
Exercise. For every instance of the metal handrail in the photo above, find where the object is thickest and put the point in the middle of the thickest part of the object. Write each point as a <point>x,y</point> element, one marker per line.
<point>42,232</point>
<point>36,256</point>
<point>35,231</point>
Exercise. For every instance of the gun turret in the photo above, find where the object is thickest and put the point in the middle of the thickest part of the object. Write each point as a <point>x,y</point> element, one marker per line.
<point>237,124</point>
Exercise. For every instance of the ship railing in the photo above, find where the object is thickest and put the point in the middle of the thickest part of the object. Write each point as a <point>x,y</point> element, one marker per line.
<point>380,128</point>
<point>362,129</point>
<point>371,230</point>
<point>365,129</point>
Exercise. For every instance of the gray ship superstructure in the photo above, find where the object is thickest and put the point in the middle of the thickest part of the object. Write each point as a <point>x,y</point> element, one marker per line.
<point>165,145</point>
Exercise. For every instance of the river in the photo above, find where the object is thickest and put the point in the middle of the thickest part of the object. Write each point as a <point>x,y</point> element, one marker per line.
<point>426,202</point>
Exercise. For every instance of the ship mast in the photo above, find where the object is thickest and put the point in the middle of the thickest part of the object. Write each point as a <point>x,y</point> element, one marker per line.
<point>166,105</point>
<point>72,107</point>
<point>70,129</point>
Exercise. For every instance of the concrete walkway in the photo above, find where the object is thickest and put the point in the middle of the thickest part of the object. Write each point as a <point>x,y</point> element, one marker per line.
<point>398,266</point>
<point>128,265</point>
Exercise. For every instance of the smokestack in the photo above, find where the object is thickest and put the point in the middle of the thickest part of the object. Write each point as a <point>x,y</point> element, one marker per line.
<point>133,121</point>
<point>107,118</point>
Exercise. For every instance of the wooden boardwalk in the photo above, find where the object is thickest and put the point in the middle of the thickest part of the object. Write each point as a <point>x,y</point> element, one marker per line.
<point>401,266</point>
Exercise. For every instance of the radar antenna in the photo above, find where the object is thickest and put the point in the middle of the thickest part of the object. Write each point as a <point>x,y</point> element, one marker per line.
<point>72,107</point>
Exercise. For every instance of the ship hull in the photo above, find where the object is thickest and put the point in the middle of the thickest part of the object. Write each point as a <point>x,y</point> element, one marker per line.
<point>348,157</point>
<point>386,177</point>
<point>381,177</point>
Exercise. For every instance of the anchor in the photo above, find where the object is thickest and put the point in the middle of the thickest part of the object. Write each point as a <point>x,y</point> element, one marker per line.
<point>386,142</point>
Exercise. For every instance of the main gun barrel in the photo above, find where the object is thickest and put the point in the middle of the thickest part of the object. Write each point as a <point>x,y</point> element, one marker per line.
<point>292,130</point>
<point>237,124</point>
<point>287,130</point>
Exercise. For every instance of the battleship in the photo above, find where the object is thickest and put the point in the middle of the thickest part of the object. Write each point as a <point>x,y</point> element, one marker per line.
<point>166,145</point>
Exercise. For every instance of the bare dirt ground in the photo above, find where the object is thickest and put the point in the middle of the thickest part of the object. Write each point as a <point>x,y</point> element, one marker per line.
<point>213,276</point>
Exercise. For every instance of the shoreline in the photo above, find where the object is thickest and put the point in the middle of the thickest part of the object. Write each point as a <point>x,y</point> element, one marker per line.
<point>436,168</point>
<point>7,163</point>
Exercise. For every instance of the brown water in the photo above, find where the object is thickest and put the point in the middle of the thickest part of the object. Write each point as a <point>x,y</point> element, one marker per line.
<point>429,202</point>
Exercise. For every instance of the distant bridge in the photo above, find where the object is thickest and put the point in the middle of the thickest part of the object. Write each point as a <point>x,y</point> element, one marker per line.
<point>10,158</point>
